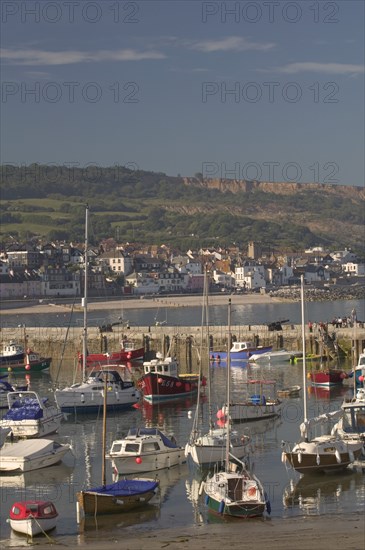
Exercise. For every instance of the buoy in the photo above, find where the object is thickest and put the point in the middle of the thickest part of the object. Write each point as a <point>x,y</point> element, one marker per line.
<point>139,460</point>
<point>178,384</point>
<point>220,414</point>
<point>27,367</point>
<point>190,414</point>
<point>361,378</point>
<point>129,355</point>
<point>159,380</point>
<point>9,369</point>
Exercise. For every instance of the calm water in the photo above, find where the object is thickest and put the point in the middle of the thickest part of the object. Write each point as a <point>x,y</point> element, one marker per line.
<point>250,314</point>
<point>179,503</point>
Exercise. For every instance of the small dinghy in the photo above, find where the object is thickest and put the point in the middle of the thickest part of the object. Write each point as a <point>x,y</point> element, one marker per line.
<point>33,517</point>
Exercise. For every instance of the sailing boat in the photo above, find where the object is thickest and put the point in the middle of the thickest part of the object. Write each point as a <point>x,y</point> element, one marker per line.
<point>233,490</point>
<point>208,449</point>
<point>324,453</point>
<point>121,496</point>
<point>87,396</point>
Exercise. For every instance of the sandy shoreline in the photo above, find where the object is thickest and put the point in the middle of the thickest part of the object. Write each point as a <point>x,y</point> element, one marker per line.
<point>142,303</point>
<point>300,533</point>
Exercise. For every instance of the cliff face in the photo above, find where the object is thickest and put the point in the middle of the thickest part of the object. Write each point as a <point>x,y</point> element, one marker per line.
<point>278,188</point>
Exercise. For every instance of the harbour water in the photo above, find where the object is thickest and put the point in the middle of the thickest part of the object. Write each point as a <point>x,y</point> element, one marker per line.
<point>179,503</point>
<point>248,314</point>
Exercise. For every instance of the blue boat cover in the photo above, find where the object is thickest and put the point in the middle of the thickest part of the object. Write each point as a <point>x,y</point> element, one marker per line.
<point>126,487</point>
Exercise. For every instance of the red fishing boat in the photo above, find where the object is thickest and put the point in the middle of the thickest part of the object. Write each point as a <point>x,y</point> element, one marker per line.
<point>32,517</point>
<point>127,352</point>
<point>327,377</point>
<point>161,381</point>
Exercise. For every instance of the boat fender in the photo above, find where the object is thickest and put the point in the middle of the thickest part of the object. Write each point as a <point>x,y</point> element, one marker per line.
<point>221,507</point>
<point>338,456</point>
<point>318,460</point>
<point>352,456</point>
<point>201,488</point>
<point>207,500</point>
<point>300,458</point>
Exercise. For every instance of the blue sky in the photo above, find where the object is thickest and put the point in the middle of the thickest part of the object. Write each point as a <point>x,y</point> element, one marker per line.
<point>263,90</point>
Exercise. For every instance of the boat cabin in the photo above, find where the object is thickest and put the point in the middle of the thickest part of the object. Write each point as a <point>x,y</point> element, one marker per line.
<point>242,346</point>
<point>33,508</point>
<point>12,349</point>
<point>141,441</point>
<point>167,367</point>
<point>113,377</point>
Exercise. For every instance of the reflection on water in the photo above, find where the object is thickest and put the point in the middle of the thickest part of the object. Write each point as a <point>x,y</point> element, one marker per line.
<point>179,501</point>
<point>323,494</point>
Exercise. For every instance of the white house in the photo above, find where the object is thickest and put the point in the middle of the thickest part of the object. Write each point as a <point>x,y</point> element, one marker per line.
<point>354,269</point>
<point>250,276</point>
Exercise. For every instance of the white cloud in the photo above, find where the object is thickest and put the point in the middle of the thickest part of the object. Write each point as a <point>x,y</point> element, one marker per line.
<point>327,68</point>
<point>230,43</point>
<point>42,57</point>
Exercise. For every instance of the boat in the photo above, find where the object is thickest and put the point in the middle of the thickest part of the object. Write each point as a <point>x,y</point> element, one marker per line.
<point>145,450</point>
<point>87,396</point>
<point>11,353</point>
<point>327,377</point>
<point>351,425</point>
<point>32,362</point>
<point>206,448</point>
<point>324,453</point>
<point>260,402</point>
<point>5,388</point>
<point>290,391</point>
<point>121,496</point>
<point>231,490</point>
<point>239,351</point>
<point>29,415</point>
<point>161,380</point>
<point>271,357</point>
<point>31,454</point>
<point>359,370</point>
<point>33,517</point>
<point>127,353</point>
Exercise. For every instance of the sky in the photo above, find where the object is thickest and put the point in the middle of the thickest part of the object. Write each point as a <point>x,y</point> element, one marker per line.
<point>264,90</point>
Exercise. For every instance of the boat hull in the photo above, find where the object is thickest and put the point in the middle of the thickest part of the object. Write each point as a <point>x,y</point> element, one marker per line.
<point>250,412</point>
<point>116,357</point>
<point>327,377</point>
<point>21,368</point>
<point>322,455</point>
<point>221,356</point>
<point>32,527</point>
<point>148,462</point>
<point>11,461</point>
<point>115,499</point>
<point>159,388</point>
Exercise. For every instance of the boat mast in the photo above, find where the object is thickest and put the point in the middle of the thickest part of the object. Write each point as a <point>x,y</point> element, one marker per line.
<point>84,300</point>
<point>304,347</point>
<point>103,470</point>
<point>228,438</point>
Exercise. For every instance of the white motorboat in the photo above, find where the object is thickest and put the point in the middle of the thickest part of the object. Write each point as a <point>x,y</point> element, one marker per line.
<point>145,450</point>
<point>33,517</point>
<point>30,416</point>
<point>88,396</point>
<point>279,356</point>
<point>31,454</point>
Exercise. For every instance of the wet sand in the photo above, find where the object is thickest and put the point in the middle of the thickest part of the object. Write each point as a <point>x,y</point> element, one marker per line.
<point>302,533</point>
<point>142,303</point>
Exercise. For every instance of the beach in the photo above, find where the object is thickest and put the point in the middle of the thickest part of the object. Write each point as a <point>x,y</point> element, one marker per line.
<point>125,303</point>
<point>332,532</point>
